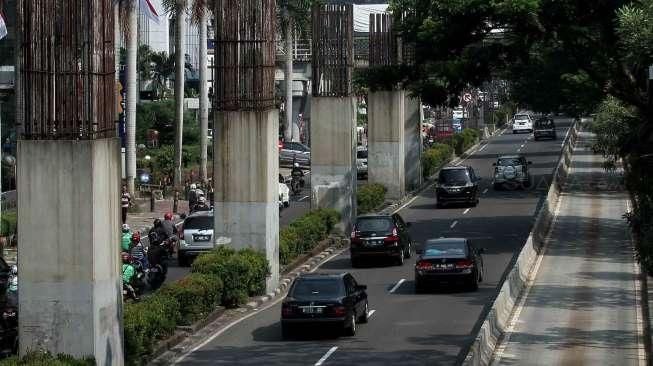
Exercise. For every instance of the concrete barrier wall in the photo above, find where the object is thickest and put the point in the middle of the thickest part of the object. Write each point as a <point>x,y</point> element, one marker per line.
<point>496,321</point>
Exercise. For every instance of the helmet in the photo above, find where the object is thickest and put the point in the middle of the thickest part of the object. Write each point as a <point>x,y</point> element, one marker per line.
<point>296,165</point>
<point>157,222</point>
<point>202,199</point>
<point>167,216</point>
<point>136,237</point>
<point>125,257</point>
<point>125,228</point>
<point>14,269</point>
<point>193,186</point>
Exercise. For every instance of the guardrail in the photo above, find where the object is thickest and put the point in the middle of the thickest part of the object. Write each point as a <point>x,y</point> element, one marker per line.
<point>496,321</point>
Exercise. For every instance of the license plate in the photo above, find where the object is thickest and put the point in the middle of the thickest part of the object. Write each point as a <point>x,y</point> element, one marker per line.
<point>312,310</point>
<point>374,243</point>
<point>202,237</point>
<point>444,266</point>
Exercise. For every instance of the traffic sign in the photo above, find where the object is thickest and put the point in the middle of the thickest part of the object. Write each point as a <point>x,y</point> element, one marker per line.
<point>467,97</point>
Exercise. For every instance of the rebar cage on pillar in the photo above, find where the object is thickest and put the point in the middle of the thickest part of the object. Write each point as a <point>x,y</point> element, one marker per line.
<point>67,69</point>
<point>333,50</point>
<point>244,61</point>
<point>383,41</point>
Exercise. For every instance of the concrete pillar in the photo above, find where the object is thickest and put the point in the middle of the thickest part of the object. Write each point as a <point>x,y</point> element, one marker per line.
<point>246,171</point>
<point>333,156</point>
<point>69,227</point>
<point>413,142</point>
<point>386,141</point>
<point>394,142</point>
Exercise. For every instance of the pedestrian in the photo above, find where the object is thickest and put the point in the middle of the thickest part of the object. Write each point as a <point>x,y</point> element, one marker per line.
<point>125,202</point>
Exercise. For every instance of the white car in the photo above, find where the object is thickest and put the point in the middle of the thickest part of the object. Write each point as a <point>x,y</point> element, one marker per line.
<point>284,195</point>
<point>361,162</point>
<point>522,122</point>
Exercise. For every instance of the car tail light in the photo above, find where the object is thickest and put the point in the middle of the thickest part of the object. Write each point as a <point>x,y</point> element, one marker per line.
<point>286,310</point>
<point>464,264</point>
<point>354,233</point>
<point>424,265</point>
<point>339,311</point>
<point>393,239</point>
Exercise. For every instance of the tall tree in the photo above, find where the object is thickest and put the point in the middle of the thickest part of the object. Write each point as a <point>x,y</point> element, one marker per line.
<point>179,7</point>
<point>293,17</point>
<point>199,15</point>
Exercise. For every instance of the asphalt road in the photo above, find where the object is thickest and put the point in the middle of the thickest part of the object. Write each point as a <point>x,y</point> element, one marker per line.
<point>407,328</point>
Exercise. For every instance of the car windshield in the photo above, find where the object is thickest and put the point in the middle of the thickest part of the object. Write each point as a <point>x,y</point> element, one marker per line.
<point>509,162</point>
<point>545,124</point>
<point>521,117</point>
<point>445,250</point>
<point>361,154</point>
<point>375,224</point>
<point>317,288</point>
<point>453,176</point>
<point>199,223</point>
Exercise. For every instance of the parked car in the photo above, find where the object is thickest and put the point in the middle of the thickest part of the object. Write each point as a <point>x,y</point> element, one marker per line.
<point>544,128</point>
<point>448,260</point>
<point>196,236</point>
<point>522,122</point>
<point>361,161</point>
<point>324,299</point>
<point>380,236</point>
<point>284,195</point>
<point>511,170</point>
<point>457,184</point>
<point>292,152</point>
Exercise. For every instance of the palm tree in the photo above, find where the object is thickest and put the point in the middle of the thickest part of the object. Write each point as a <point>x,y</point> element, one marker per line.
<point>163,67</point>
<point>178,7</point>
<point>293,17</point>
<point>199,15</point>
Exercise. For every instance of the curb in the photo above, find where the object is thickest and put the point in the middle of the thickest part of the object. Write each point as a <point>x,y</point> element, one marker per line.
<point>497,317</point>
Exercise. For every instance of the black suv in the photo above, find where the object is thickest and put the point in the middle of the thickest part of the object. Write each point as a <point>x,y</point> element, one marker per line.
<point>324,299</point>
<point>544,128</point>
<point>457,184</point>
<point>380,235</point>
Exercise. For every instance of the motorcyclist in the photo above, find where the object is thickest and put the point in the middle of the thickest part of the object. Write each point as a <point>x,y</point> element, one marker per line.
<point>157,233</point>
<point>168,226</point>
<point>157,255</point>
<point>201,205</point>
<point>126,238</point>
<point>138,250</point>
<point>128,273</point>
<point>297,178</point>
<point>297,171</point>
<point>192,195</point>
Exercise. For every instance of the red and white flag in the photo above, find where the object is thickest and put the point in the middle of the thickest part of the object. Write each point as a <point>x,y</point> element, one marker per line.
<point>3,26</point>
<point>149,10</point>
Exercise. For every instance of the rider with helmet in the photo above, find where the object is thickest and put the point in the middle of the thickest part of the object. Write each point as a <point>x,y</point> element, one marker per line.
<point>138,250</point>
<point>126,238</point>
<point>168,226</point>
<point>297,178</point>
<point>128,273</point>
<point>201,205</point>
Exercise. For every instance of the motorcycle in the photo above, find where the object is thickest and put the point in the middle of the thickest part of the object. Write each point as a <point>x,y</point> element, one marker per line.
<point>156,276</point>
<point>296,185</point>
<point>170,244</point>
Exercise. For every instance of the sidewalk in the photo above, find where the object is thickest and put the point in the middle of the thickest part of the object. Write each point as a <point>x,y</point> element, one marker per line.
<point>583,307</point>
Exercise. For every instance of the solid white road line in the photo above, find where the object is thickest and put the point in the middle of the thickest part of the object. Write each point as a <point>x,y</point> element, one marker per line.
<point>641,352</point>
<point>369,315</point>
<point>482,148</point>
<point>454,224</point>
<point>465,212</point>
<point>326,355</point>
<point>271,304</point>
<point>522,145</point>
<point>485,191</point>
<point>303,198</point>
<point>392,290</point>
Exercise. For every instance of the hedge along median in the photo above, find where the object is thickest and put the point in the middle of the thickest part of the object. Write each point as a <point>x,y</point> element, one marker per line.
<point>303,234</point>
<point>46,359</point>
<point>370,197</point>
<point>434,158</point>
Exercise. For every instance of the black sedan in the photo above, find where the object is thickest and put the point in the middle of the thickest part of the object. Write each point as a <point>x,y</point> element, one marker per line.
<point>448,260</point>
<point>324,299</point>
<point>380,236</point>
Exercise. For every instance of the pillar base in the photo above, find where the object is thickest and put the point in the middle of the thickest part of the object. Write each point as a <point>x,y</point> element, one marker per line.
<point>333,157</point>
<point>70,290</point>
<point>246,174</point>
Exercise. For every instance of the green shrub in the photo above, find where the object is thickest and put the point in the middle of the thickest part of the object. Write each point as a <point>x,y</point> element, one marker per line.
<point>260,270</point>
<point>145,323</point>
<point>305,233</point>
<point>434,158</point>
<point>197,294</point>
<point>466,139</point>
<point>9,223</point>
<point>370,197</point>
<point>46,359</point>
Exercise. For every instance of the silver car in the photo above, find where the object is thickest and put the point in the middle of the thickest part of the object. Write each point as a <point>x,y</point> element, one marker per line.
<point>361,162</point>
<point>511,170</point>
<point>196,236</point>
<point>295,152</point>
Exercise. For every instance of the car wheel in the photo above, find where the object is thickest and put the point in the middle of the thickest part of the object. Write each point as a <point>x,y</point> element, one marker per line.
<point>497,186</point>
<point>473,282</point>
<point>355,262</point>
<point>182,260</point>
<point>514,132</point>
<point>400,259</point>
<point>363,318</point>
<point>408,251</point>
<point>350,331</point>
<point>439,205</point>
<point>286,331</point>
